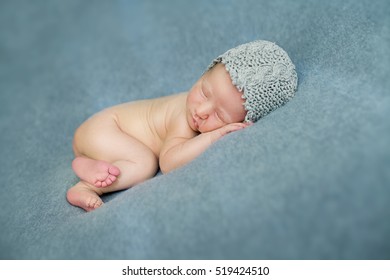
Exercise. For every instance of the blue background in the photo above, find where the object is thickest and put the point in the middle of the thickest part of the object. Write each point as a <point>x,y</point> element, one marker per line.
<point>309,181</point>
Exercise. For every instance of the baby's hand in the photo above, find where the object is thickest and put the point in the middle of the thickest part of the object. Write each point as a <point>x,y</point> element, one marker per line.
<point>231,128</point>
<point>218,133</point>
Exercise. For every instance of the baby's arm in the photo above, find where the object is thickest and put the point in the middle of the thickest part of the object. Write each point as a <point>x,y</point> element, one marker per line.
<point>178,151</point>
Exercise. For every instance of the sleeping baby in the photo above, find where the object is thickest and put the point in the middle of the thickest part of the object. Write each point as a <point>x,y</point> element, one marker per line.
<point>124,145</point>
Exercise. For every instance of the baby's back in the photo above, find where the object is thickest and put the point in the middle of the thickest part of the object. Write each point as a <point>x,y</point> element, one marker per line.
<point>147,120</point>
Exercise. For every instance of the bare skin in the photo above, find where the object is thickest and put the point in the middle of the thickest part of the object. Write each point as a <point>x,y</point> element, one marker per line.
<point>124,145</point>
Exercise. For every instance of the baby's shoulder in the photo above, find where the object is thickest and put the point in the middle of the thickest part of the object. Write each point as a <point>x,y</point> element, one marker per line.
<point>177,124</point>
<point>173,105</point>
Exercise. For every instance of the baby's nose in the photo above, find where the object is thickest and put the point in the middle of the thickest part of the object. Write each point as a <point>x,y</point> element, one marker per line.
<point>204,110</point>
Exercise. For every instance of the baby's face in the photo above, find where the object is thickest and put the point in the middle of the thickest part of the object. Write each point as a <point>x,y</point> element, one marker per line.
<point>214,101</point>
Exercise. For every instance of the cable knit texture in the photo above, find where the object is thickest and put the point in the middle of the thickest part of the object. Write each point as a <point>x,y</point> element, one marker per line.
<point>264,73</point>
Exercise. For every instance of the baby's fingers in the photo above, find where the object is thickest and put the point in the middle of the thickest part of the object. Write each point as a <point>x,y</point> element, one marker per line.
<point>216,134</point>
<point>234,127</point>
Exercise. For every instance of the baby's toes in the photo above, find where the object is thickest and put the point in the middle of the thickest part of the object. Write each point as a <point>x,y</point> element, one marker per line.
<point>114,170</point>
<point>94,206</point>
<point>97,204</point>
<point>98,184</point>
<point>94,203</point>
<point>108,182</point>
<point>110,179</point>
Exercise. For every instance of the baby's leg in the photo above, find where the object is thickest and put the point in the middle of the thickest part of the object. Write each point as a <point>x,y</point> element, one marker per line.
<point>103,149</point>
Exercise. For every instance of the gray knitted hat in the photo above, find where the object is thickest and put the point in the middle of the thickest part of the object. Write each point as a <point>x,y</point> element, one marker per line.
<point>264,73</point>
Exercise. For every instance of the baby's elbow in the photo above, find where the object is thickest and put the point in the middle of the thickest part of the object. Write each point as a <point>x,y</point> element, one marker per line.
<point>164,166</point>
<point>163,169</point>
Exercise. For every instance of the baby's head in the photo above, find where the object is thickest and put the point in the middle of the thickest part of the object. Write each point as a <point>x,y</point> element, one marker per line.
<point>243,84</point>
<point>264,73</point>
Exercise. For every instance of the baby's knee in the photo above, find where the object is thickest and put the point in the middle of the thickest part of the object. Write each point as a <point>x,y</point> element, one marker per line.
<point>85,139</point>
<point>77,136</point>
<point>148,165</point>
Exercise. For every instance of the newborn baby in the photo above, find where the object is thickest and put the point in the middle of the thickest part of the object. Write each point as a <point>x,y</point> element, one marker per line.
<point>124,145</point>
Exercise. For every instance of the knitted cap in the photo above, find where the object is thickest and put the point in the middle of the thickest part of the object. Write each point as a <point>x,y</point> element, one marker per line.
<point>264,73</point>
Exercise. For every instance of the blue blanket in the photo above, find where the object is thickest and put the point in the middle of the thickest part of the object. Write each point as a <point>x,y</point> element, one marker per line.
<point>309,181</point>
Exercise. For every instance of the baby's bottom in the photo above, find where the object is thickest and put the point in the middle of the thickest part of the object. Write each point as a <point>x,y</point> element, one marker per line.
<point>107,160</point>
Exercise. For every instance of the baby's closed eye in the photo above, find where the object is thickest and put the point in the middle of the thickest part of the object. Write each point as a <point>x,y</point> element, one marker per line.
<point>203,93</point>
<point>220,116</point>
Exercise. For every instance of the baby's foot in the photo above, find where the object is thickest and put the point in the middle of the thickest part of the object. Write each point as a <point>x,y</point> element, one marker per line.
<point>81,196</point>
<point>99,173</point>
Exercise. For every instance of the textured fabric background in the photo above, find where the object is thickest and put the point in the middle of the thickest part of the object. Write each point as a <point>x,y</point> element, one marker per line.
<point>309,181</point>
